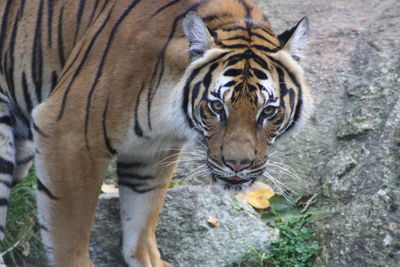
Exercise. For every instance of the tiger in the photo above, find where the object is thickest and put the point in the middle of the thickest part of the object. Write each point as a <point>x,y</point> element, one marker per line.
<point>85,82</point>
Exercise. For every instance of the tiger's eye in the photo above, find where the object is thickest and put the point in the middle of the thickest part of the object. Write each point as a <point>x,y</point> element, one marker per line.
<point>268,111</point>
<point>217,106</point>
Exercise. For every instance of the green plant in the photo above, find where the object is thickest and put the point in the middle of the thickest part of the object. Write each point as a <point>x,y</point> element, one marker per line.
<point>296,246</point>
<point>22,244</point>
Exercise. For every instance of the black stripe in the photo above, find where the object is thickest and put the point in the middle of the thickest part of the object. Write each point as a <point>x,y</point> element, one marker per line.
<point>164,7</point>
<point>285,90</point>
<point>234,59</point>
<point>25,160</point>
<point>282,84</point>
<point>78,69</point>
<point>237,88</point>
<point>133,176</point>
<point>252,88</point>
<point>42,188</point>
<point>43,227</point>
<point>263,38</point>
<point>234,46</point>
<point>129,165</point>
<point>264,48</point>
<point>66,69</point>
<point>37,56</point>
<point>159,66</point>
<point>233,72</point>
<point>207,78</point>
<point>102,8</point>
<point>3,201</point>
<point>187,88</point>
<point>292,98</point>
<point>230,83</point>
<point>297,111</point>
<point>138,128</point>
<point>212,17</point>
<point>260,74</point>
<point>54,79</point>
<point>93,12</point>
<point>99,72</point>
<point>8,184</point>
<point>14,183</point>
<point>261,28</point>
<point>3,31</point>
<point>185,103</point>
<point>279,121</point>
<point>2,228</point>
<point>222,25</point>
<point>6,167</point>
<point>260,61</point>
<point>238,37</point>
<point>60,40</point>
<point>25,90</point>
<point>50,9</point>
<point>10,67</point>
<point>79,18</point>
<point>291,75</point>
<point>6,120</point>
<point>135,187</point>
<point>38,130</point>
<point>195,93</point>
<point>234,28</point>
<point>110,148</point>
<point>248,10</point>
<point>21,9</point>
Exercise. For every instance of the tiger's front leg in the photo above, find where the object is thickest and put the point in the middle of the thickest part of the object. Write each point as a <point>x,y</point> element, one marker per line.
<point>142,187</point>
<point>69,181</point>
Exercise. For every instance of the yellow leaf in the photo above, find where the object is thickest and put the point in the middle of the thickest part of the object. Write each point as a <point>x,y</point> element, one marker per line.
<point>212,221</point>
<point>258,196</point>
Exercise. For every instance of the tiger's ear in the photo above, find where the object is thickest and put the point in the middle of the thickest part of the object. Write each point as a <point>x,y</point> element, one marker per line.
<point>197,34</point>
<point>295,39</point>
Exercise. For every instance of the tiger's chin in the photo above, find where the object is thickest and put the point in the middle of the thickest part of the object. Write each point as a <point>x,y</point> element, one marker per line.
<point>233,183</point>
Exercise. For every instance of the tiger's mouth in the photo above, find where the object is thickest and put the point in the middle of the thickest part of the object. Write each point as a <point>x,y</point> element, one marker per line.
<point>232,182</point>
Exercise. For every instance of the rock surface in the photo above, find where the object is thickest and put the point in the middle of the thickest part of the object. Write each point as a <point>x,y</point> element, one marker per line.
<point>350,152</point>
<point>185,237</point>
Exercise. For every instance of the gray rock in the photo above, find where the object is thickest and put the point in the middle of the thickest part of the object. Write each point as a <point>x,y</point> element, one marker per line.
<point>184,236</point>
<point>186,239</point>
<point>350,151</point>
<point>106,243</point>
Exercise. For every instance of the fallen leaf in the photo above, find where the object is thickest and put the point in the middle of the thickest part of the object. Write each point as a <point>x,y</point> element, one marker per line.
<point>212,221</point>
<point>108,188</point>
<point>257,196</point>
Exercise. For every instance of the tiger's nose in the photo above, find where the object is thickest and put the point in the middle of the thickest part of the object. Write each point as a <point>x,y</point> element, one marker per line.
<point>237,165</point>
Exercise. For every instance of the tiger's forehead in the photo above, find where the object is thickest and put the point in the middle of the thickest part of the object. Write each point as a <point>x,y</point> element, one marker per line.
<point>231,89</point>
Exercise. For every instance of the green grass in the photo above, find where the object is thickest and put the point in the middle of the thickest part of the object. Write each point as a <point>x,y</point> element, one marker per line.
<point>22,244</point>
<point>296,246</point>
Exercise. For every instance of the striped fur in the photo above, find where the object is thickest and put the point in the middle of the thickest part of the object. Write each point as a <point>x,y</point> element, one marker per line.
<point>136,79</point>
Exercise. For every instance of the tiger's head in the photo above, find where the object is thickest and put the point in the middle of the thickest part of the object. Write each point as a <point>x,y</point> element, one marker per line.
<point>243,89</point>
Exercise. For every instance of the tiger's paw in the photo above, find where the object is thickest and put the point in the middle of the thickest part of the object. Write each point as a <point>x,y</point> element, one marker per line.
<point>166,264</point>
<point>146,260</point>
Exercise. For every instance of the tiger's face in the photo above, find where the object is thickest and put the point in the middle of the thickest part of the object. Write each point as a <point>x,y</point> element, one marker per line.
<point>242,97</point>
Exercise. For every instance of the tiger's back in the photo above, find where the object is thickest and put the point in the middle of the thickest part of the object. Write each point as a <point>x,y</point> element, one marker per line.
<point>136,80</point>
